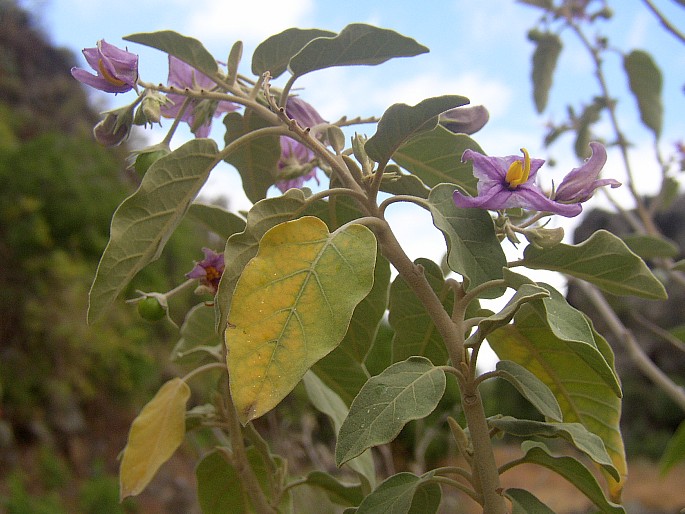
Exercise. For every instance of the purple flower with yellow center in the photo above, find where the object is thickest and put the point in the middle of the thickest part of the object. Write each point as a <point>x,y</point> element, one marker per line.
<point>580,184</point>
<point>117,70</point>
<point>199,115</point>
<point>295,165</point>
<point>507,182</point>
<point>209,270</point>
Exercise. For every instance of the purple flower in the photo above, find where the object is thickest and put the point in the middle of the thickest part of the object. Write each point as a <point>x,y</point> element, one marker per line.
<point>465,120</point>
<point>199,115</point>
<point>580,184</point>
<point>117,70</point>
<point>209,270</point>
<point>295,165</point>
<point>302,112</point>
<point>506,182</point>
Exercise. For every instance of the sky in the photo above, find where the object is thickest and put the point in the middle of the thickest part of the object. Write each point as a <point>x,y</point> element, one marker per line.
<point>478,49</point>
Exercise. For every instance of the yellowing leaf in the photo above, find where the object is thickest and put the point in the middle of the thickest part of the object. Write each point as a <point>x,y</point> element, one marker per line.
<point>155,435</point>
<point>292,305</point>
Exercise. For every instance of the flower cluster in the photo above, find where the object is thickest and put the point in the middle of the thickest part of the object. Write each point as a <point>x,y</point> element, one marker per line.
<point>506,182</point>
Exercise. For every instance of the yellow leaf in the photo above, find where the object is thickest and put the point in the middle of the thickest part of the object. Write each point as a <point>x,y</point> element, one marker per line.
<point>155,435</point>
<point>292,305</point>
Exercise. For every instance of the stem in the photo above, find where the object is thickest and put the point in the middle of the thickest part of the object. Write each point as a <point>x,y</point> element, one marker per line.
<point>664,21</point>
<point>457,485</point>
<point>202,369</point>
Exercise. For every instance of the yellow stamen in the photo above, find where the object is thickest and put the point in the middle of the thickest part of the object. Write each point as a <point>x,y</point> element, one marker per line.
<point>108,77</point>
<point>518,171</point>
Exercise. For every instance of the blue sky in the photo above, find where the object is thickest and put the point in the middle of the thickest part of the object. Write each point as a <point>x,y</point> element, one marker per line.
<point>479,49</point>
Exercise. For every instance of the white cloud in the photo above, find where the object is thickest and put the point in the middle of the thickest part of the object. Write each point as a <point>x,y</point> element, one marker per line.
<point>248,21</point>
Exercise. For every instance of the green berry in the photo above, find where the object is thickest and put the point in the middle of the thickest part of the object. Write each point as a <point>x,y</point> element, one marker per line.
<point>150,309</point>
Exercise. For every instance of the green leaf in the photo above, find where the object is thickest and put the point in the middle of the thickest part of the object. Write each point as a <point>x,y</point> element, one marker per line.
<point>604,260</point>
<point>217,219</point>
<point>435,157</point>
<point>524,294</point>
<point>405,391</point>
<point>339,493</point>
<point>675,450</point>
<point>473,250</point>
<point>219,487</point>
<point>531,388</point>
<point>242,247</point>
<point>403,493</point>
<point>155,435</point>
<point>292,306</point>
<point>256,159</point>
<point>144,222</point>
<point>187,49</point>
<point>547,50</point>
<point>404,184</point>
<point>342,370</point>
<point>400,122</point>
<point>575,373</point>
<point>274,53</point>
<point>575,433</point>
<point>325,400</point>
<point>198,334</point>
<point>645,81</point>
<point>573,471</point>
<point>415,332</point>
<point>680,265</point>
<point>651,247</point>
<point>357,44</point>
<point>524,502</point>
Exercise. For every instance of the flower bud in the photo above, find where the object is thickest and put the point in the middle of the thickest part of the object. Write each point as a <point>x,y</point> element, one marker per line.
<point>114,128</point>
<point>465,120</point>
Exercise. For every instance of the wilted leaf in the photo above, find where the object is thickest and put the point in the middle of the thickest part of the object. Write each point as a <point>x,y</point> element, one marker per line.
<point>604,260</point>
<point>644,78</point>
<point>357,44</point>
<point>547,50</point>
<point>155,435</point>
<point>292,305</point>
<point>274,53</point>
<point>405,391</point>
<point>400,122</point>
<point>404,493</point>
<point>473,250</point>
<point>144,222</point>
<point>187,49</point>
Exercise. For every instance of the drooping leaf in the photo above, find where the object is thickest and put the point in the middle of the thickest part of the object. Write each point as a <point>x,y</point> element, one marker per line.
<point>415,332</point>
<point>525,502</point>
<point>674,452</point>
<point>155,435</point>
<point>187,49</point>
<point>400,122</point>
<point>575,433</point>
<point>356,44</point>
<point>325,400</point>
<point>407,390</point>
<point>197,334</point>
<point>645,81</point>
<point>343,369</point>
<point>274,53</point>
<point>217,219</point>
<point>435,157</point>
<point>604,260</point>
<point>144,222</point>
<point>574,372</point>
<point>651,247</point>
<point>403,493</point>
<point>256,159</point>
<point>547,49</point>
<point>473,250</point>
<point>573,471</point>
<point>241,247</point>
<point>531,388</point>
<point>337,492</point>
<point>292,306</point>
